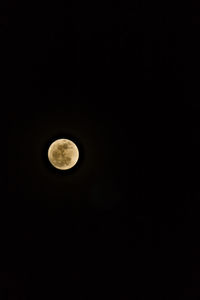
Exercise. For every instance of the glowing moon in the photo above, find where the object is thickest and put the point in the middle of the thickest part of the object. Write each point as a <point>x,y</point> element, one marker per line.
<point>63,154</point>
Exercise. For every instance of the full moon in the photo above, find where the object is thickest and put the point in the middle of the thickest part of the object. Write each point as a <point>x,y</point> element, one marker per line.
<point>63,154</point>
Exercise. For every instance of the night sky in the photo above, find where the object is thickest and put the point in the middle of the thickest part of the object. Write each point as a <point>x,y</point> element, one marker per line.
<point>118,223</point>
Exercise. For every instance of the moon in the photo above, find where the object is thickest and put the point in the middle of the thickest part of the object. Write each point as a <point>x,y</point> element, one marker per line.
<point>63,154</point>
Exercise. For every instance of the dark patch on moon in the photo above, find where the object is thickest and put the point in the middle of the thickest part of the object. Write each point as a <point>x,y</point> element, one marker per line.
<point>56,154</point>
<point>67,160</point>
<point>60,147</point>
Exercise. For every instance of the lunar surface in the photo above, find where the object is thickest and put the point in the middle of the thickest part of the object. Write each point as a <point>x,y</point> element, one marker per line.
<point>63,154</point>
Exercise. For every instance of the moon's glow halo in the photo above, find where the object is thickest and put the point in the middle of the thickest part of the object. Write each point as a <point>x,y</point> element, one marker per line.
<point>63,154</point>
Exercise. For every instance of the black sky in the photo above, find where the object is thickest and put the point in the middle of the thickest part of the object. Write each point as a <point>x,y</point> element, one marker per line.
<point>117,225</point>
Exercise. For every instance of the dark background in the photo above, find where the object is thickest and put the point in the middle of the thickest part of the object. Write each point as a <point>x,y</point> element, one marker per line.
<point>118,224</point>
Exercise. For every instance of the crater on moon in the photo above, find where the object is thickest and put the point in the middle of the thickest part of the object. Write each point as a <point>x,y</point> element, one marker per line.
<point>63,154</point>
